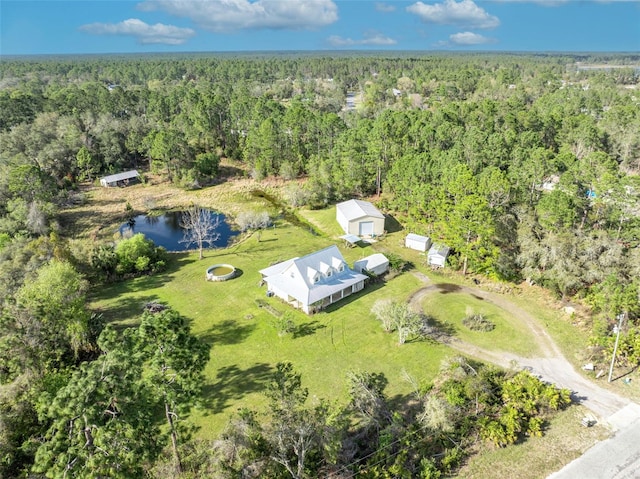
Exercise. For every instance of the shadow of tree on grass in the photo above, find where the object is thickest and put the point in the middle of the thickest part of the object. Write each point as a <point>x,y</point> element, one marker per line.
<point>233,383</point>
<point>391,224</point>
<point>127,311</point>
<point>228,331</point>
<point>307,329</point>
<point>437,330</point>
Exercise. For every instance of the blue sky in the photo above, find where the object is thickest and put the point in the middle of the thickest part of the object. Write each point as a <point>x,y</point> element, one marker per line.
<point>123,26</point>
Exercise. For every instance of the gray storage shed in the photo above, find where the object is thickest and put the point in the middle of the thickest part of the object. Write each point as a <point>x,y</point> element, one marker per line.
<point>437,255</point>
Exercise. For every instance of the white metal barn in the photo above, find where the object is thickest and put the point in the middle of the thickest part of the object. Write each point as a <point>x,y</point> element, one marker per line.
<point>417,242</point>
<point>360,218</point>
<point>437,255</point>
<point>376,264</point>
<point>120,179</point>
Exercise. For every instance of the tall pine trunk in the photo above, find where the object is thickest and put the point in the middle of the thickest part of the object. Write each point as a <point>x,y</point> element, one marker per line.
<point>174,437</point>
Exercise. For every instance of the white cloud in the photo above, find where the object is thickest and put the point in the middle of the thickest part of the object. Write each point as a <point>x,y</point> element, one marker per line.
<point>384,7</point>
<point>143,32</point>
<point>469,38</point>
<point>232,15</point>
<point>545,3</point>
<point>450,12</point>
<point>370,38</point>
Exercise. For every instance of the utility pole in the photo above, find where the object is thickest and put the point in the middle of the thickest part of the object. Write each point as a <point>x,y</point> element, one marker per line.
<point>616,329</point>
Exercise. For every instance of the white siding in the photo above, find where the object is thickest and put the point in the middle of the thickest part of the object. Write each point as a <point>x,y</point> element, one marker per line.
<point>342,221</point>
<point>417,242</point>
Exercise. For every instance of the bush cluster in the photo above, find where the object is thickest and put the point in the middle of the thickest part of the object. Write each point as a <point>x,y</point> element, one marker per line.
<point>129,257</point>
<point>478,322</point>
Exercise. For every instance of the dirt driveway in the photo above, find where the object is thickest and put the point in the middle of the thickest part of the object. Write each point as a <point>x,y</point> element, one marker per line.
<point>550,366</point>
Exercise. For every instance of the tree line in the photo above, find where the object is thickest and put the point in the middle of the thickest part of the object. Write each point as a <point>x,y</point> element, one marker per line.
<point>508,159</point>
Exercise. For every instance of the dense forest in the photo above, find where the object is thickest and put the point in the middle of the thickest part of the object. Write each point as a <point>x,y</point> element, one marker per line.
<point>527,166</point>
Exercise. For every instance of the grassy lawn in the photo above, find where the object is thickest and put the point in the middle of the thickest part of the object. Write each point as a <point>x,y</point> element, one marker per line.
<point>450,308</point>
<point>570,338</point>
<point>323,220</point>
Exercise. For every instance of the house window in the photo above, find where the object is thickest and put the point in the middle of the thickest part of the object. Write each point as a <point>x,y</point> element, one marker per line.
<point>328,273</point>
<point>315,279</point>
<point>341,268</point>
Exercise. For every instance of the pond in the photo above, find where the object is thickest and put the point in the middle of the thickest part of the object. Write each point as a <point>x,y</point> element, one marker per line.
<point>165,230</point>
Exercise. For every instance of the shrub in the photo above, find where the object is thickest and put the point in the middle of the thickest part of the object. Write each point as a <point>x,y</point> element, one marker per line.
<point>383,311</point>
<point>137,255</point>
<point>396,263</point>
<point>478,322</point>
<point>104,261</point>
<point>207,164</point>
<point>5,239</point>
<point>284,324</point>
<point>296,195</point>
<point>253,220</point>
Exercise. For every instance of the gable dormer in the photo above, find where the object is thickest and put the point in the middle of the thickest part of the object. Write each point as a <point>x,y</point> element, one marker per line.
<point>325,269</point>
<point>313,275</point>
<point>337,264</point>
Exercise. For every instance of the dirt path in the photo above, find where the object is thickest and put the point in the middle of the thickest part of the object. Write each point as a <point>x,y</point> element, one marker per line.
<point>551,365</point>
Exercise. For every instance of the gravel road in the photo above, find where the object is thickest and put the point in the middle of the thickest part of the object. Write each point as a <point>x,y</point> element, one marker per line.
<point>615,458</point>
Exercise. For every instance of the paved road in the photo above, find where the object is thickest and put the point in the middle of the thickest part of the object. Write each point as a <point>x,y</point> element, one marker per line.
<point>615,458</point>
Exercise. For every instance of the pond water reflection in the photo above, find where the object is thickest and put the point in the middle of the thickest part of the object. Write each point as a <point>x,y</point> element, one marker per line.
<point>165,230</point>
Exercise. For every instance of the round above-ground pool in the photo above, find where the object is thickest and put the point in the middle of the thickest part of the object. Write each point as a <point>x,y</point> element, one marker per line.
<point>220,272</point>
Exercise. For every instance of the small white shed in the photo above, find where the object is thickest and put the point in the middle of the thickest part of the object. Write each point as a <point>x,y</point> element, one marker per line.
<point>417,242</point>
<point>360,218</point>
<point>437,255</point>
<point>375,264</point>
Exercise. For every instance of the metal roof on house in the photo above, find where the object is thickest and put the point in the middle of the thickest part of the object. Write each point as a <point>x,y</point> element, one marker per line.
<point>125,175</point>
<point>354,209</point>
<point>293,276</point>
<point>277,268</point>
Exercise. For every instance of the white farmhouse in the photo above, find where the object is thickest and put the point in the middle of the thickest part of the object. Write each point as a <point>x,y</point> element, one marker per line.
<point>417,242</point>
<point>313,282</point>
<point>437,255</point>
<point>360,218</point>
